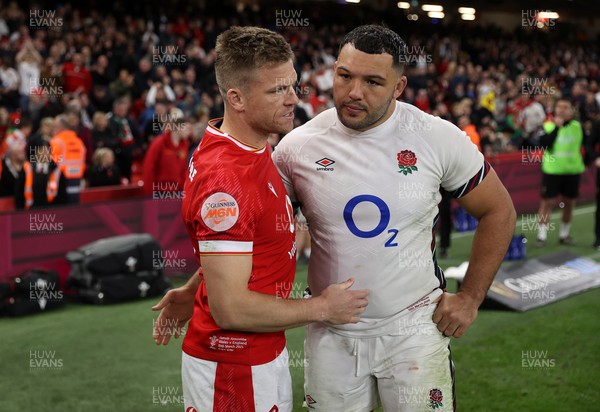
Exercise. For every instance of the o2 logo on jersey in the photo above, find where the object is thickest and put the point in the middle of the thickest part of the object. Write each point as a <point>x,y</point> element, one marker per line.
<point>384,219</point>
<point>220,211</point>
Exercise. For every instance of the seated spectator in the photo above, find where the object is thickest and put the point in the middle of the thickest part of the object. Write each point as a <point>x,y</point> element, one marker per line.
<point>104,171</point>
<point>40,183</point>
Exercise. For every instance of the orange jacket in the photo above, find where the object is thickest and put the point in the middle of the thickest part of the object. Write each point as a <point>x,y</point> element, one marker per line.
<point>51,188</point>
<point>471,131</point>
<point>68,151</point>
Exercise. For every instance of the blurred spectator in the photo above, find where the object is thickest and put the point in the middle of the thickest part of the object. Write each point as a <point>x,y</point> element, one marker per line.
<point>82,132</point>
<point>10,166</point>
<point>18,135</point>
<point>68,151</point>
<point>102,136</point>
<point>4,124</point>
<point>51,74</point>
<point>123,85</point>
<point>101,75</point>
<point>28,61</point>
<point>531,120</point>
<point>422,100</point>
<point>142,78</point>
<point>9,84</point>
<point>166,162</point>
<point>123,127</point>
<point>464,123</point>
<point>159,91</point>
<point>42,105</point>
<point>101,98</point>
<point>44,134</point>
<point>40,183</point>
<point>198,128</point>
<point>76,77</point>
<point>153,119</point>
<point>104,171</point>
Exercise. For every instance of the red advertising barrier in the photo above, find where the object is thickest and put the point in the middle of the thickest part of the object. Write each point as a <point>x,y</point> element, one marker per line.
<point>42,237</point>
<point>521,174</point>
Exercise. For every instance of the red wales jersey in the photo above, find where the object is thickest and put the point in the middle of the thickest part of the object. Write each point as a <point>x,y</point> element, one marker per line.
<point>236,204</point>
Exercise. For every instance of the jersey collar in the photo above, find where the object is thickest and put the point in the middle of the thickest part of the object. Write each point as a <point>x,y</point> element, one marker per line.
<point>213,129</point>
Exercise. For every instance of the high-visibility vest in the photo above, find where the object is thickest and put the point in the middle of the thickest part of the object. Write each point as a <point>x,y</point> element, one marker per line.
<point>51,187</point>
<point>68,151</point>
<point>564,156</point>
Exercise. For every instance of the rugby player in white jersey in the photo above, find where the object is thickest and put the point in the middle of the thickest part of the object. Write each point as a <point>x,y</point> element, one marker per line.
<point>367,175</point>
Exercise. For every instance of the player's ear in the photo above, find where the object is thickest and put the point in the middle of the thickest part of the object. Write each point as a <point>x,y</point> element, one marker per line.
<point>235,99</point>
<point>400,86</point>
<point>335,66</point>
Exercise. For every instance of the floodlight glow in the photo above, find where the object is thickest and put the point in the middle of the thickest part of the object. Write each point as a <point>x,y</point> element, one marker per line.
<point>432,7</point>
<point>436,14</point>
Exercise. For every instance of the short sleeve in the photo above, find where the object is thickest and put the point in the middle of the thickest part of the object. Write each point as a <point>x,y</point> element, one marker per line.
<point>464,167</point>
<point>229,207</point>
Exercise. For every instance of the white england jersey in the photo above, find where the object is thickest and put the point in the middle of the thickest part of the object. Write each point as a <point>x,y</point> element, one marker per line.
<point>371,202</point>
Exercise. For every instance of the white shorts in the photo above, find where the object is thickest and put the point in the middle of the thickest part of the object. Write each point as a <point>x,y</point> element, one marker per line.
<point>226,387</point>
<point>407,371</point>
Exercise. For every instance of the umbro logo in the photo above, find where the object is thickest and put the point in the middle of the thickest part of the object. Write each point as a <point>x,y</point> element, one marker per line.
<point>325,164</point>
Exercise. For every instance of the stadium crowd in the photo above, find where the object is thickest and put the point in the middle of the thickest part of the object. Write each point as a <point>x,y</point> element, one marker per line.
<point>120,81</point>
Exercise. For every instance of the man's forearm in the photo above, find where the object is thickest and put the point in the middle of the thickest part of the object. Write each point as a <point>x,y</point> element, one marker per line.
<point>490,243</point>
<point>259,312</point>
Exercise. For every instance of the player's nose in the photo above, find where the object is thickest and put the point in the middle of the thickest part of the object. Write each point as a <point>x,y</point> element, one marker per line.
<point>355,90</point>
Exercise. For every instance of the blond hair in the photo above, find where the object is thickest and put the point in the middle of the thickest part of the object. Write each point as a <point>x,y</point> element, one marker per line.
<point>96,118</point>
<point>99,154</point>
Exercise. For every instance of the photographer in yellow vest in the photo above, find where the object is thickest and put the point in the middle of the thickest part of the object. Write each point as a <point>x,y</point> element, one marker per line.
<point>562,166</point>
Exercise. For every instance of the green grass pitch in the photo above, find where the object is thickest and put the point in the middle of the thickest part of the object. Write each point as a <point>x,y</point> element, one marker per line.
<point>103,359</point>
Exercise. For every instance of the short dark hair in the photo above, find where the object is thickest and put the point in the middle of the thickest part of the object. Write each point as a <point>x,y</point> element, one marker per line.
<point>375,39</point>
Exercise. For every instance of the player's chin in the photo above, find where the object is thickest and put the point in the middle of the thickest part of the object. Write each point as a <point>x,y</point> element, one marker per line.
<point>285,125</point>
<point>353,122</point>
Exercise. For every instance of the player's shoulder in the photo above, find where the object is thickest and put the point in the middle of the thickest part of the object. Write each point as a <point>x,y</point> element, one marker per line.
<point>430,129</point>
